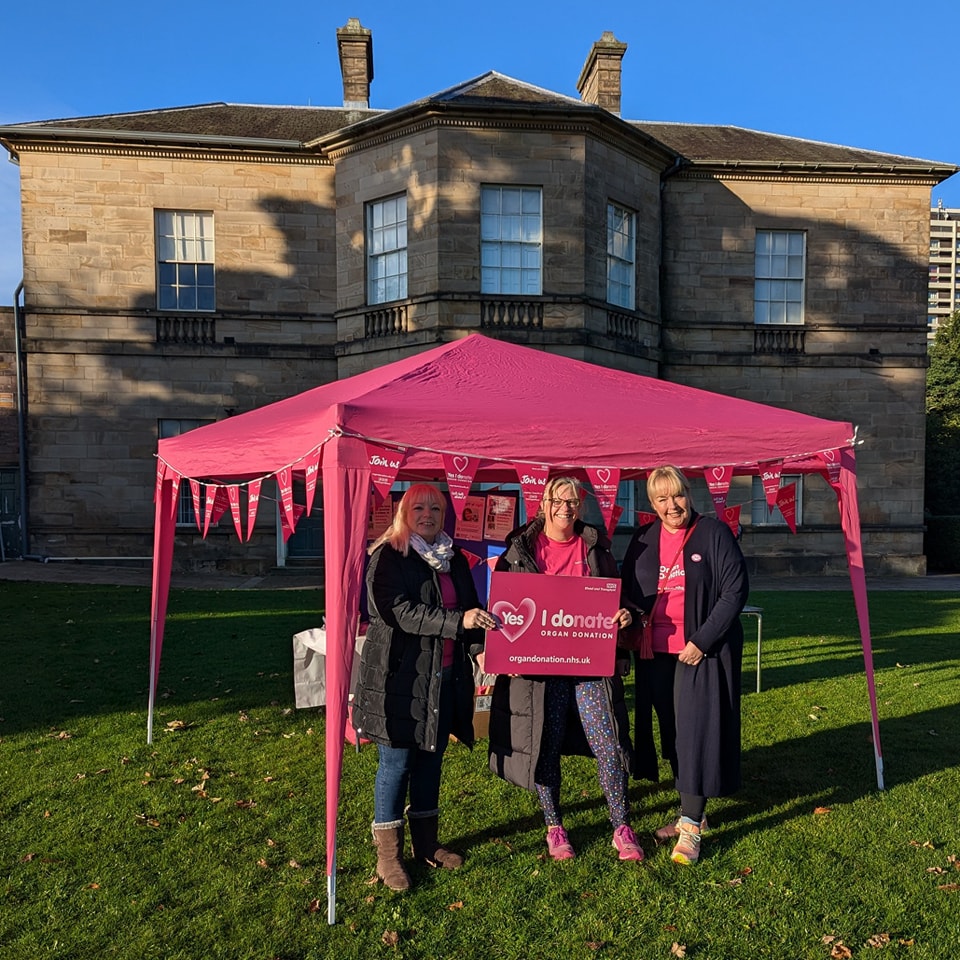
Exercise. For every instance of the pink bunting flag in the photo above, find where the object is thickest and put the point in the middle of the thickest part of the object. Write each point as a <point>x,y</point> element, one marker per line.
<point>770,476</point>
<point>233,495</point>
<point>605,482</point>
<point>384,467</point>
<point>285,488</point>
<point>472,558</point>
<point>288,526</point>
<point>533,481</point>
<point>831,463</point>
<point>643,518</point>
<point>731,517</point>
<point>718,481</point>
<point>174,492</point>
<point>787,504</point>
<point>492,562</point>
<point>311,475</point>
<point>211,499</point>
<point>460,470</point>
<point>253,501</point>
<point>161,471</point>
<point>197,513</point>
<point>615,516</point>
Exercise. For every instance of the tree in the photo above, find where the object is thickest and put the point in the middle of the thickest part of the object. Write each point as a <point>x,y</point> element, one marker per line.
<point>942,482</point>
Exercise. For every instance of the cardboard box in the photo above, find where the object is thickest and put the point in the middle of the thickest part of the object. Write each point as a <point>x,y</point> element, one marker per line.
<point>481,715</point>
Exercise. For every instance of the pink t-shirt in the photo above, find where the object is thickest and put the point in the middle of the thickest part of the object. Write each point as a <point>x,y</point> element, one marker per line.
<point>668,636</point>
<point>448,595</point>
<point>561,558</point>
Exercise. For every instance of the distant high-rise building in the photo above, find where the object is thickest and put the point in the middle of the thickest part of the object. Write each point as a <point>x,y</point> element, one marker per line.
<point>944,291</point>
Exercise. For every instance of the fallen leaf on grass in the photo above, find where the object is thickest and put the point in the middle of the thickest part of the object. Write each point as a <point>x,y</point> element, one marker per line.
<point>821,810</point>
<point>927,845</point>
<point>263,864</point>
<point>678,949</point>
<point>178,725</point>
<point>62,735</point>
<point>596,944</point>
<point>314,906</point>
<point>245,804</point>
<point>294,865</point>
<point>949,887</point>
<point>935,870</point>
<point>878,940</point>
<point>840,951</point>
<point>93,886</point>
<point>456,905</point>
<point>390,937</point>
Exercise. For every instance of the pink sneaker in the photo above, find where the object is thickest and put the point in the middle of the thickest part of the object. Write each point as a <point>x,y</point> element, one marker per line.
<point>625,843</point>
<point>558,846</point>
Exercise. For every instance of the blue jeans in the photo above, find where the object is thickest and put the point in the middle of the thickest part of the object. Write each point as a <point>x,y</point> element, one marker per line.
<point>401,768</point>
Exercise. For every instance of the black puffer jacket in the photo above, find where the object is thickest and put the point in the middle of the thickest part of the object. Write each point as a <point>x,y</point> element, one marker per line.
<point>398,687</point>
<point>516,712</point>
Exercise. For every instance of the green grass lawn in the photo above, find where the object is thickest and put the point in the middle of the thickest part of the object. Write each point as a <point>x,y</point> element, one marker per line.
<point>210,843</point>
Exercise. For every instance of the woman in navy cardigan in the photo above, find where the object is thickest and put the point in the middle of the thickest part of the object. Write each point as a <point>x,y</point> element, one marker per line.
<point>686,575</point>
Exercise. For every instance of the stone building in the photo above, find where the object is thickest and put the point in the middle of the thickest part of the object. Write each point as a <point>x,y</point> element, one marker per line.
<point>184,264</point>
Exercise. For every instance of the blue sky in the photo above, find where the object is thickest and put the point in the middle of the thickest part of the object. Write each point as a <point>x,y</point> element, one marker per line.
<point>861,72</point>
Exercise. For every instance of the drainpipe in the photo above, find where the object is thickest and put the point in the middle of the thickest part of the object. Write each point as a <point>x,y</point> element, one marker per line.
<point>664,176</point>
<point>20,360</point>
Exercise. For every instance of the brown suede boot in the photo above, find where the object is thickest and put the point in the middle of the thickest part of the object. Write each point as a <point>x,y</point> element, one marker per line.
<point>426,847</point>
<point>388,839</point>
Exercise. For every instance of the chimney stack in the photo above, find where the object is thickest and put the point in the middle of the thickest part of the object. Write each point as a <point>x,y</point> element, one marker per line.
<point>355,44</point>
<point>599,81</point>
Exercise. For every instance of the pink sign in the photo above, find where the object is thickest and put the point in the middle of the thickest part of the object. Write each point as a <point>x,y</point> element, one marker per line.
<point>384,467</point>
<point>787,504</point>
<point>643,518</point>
<point>770,475</point>
<point>605,482</point>
<point>731,517</point>
<point>460,470</point>
<point>552,625</point>
<point>253,501</point>
<point>533,480</point>
<point>718,480</point>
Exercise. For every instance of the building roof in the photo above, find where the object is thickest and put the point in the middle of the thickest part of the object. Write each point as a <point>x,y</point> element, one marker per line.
<point>295,128</point>
<point>726,144</point>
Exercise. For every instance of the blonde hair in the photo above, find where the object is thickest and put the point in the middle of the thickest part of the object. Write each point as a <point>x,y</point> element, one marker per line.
<point>398,533</point>
<point>673,482</point>
<point>554,484</point>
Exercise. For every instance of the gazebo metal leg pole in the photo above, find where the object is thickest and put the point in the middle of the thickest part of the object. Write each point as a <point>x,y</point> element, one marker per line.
<point>759,635</point>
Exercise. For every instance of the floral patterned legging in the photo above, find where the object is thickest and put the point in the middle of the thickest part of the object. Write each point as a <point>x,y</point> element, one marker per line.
<point>598,726</point>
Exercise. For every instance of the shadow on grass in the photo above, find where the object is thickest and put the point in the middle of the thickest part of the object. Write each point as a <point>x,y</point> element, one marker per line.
<point>70,651</point>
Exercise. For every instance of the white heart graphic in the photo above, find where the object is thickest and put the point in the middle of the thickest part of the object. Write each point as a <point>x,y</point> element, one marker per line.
<point>461,463</point>
<point>603,474</point>
<point>718,473</point>
<point>829,455</point>
<point>524,612</point>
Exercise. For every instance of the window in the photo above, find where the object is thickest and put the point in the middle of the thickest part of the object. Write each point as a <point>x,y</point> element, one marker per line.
<point>761,515</point>
<point>387,250</point>
<point>621,256</point>
<point>185,512</point>
<point>511,240</point>
<point>185,257</point>
<point>780,266</point>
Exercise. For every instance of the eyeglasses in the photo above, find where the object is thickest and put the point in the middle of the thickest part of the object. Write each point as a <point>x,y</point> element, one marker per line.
<point>573,504</point>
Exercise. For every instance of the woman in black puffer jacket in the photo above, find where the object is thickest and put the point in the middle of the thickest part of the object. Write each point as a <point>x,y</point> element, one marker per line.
<point>415,684</point>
